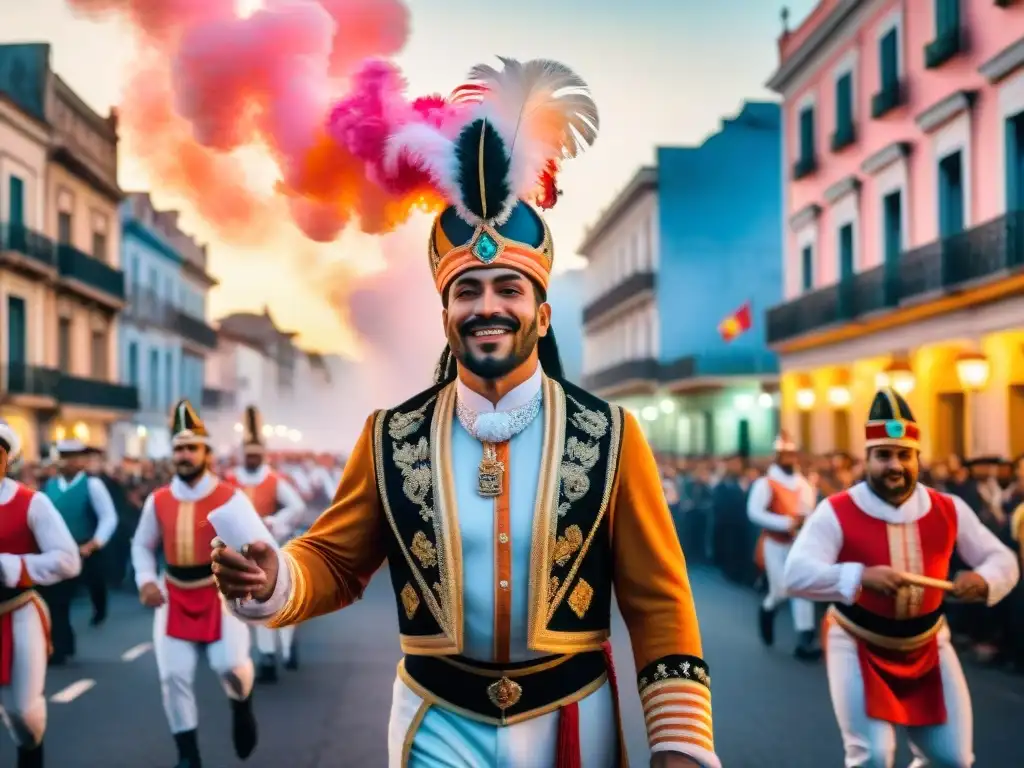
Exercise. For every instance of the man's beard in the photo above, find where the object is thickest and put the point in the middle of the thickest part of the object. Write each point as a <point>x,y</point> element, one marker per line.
<point>487,366</point>
<point>188,471</point>
<point>788,467</point>
<point>890,493</point>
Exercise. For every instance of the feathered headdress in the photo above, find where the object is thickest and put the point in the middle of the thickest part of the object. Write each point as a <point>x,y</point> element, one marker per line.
<point>186,426</point>
<point>252,430</point>
<point>496,161</point>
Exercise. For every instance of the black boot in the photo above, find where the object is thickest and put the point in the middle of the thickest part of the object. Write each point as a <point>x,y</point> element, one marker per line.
<point>806,648</point>
<point>243,727</point>
<point>292,662</point>
<point>30,757</point>
<point>188,750</point>
<point>266,672</point>
<point>766,621</point>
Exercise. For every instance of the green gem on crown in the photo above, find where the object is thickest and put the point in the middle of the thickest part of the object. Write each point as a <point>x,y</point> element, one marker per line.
<point>485,248</point>
<point>896,430</point>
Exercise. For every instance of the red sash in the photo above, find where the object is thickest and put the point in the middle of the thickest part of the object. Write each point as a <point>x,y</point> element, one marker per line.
<point>901,685</point>
<point>194,613</point>
<point>7,647</point>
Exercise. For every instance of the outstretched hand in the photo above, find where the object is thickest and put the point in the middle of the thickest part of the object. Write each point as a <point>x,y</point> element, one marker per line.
<point>249,576</point>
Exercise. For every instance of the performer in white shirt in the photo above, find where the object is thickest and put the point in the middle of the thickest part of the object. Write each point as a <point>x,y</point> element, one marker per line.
<point>36,548</point>
<point>88,510</point>
<point>281,507</point>
<point>779,503</point>
<point>190,614</point>
<point>880,553</point>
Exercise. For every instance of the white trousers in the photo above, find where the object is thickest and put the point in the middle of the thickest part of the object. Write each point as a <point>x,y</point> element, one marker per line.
<point>24,699</point>
<point>431,737</point>
<point>775,554</point>
<point>871,743</point>
<point>176,661</point>
<point>267,640</point>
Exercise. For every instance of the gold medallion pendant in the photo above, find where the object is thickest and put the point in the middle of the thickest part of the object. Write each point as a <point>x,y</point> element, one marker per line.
<point>490,473</point>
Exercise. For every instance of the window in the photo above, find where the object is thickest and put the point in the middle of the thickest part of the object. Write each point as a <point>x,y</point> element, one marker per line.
<point>16,201</point>
<point>888,60</point>
<point>64,345</point>
<point>17,333</point>
<point>98,354</point>
<point>1015,162</point>
<point>99,246</point>
<point>133,364</point>
<point>807,268</point>
<point>169,378</point>
<point>892,215</point>
<point>154,380</point>
<point>947,42</point>
<point>64,228</point>
<point>844,136</point>
<point>947,18</point>
<point>805,163</point>
<point>846,266</point>
<point>951,195</point>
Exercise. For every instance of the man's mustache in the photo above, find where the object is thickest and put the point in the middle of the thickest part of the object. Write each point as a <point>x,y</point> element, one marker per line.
<point>474,324</point>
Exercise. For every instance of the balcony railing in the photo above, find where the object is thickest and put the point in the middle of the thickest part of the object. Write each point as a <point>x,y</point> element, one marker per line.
<point>943,48</point>
<point>144,307</point>
<point>30,380</point>
<point>987,251</point>
<point>687,367</point>
<point>606,302</point>
<point>218,399</point>
<point>887,99</point>
<point>81,266</point>
<point>194,329</point>
<point>844,136</point>
<point>28,242</point>
<point>78,390</point>
<point>805,166</point>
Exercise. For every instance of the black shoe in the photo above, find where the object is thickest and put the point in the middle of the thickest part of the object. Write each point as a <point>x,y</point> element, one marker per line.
<point>188,750</point>
<point>266,672</point>
<point>243,727</point>
<point>97,619</point>
<point>58,660</point>
<point>806,648</point>
<point>30,758</point>
<point>766,622</point>
<point>292,662</point>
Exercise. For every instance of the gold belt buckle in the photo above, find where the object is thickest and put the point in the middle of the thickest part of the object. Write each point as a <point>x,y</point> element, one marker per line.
<point>504,693</point>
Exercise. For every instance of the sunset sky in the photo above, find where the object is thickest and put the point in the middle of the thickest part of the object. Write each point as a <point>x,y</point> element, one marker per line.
<point>663,72</point>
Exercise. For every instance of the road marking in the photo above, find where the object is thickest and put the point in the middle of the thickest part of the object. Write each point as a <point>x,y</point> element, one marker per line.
<point>134,652</point>
<point>72,692</point>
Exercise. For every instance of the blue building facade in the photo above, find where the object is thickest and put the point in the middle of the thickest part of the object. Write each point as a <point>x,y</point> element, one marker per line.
<point>164,336</point>
<point>714,246</point>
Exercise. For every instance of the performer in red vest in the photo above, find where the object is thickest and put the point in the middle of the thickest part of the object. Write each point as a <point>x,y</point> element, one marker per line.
<point>779,503</point>
<point>190,614</point>
<point>281,507</point>
<point>36,549</point>
<point>879,553</point>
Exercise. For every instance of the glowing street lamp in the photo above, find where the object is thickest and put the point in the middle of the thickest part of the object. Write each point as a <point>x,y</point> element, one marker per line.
<point>805,399</point>
<point>973,370</point>
<point>839,397</point>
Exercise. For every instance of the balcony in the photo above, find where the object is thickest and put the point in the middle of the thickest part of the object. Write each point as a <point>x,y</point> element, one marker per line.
<point>218,399</point>
<point>633,285</point>
<point>844,136</point>
<point>805,166</point>
<point>887,99</point>
<point>943,48</point>
<point>30,249</point>
<point>194,329</point>
<point>101,281</point>
<point>986,252</point>
<point>145,308</point>
<point>32,381</point>
<point>652,373</point>
<point>94,393</point>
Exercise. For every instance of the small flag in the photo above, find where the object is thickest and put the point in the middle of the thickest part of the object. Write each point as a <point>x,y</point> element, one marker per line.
<point>736,323</point>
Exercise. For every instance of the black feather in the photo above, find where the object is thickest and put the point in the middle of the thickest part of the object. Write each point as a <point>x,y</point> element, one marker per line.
<point>492,166</point>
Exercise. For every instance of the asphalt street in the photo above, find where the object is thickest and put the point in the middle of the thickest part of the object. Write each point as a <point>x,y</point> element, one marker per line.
<point>770,710</point>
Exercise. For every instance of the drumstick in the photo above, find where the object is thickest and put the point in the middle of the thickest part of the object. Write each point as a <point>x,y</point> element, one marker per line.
<point>927,581</point>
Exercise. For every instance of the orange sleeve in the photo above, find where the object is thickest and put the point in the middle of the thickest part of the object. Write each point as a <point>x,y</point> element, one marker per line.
<point>331,564</point>
<point>653,592</point>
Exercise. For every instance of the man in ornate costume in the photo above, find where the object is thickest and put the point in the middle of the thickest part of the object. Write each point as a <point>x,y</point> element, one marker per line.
<point>88,510</point>
<point>36,548</point>
<point>281,507</point>
<point>779,503</point>
<point>190,614</point>
<point>507,502</point>
<point>879,553</point>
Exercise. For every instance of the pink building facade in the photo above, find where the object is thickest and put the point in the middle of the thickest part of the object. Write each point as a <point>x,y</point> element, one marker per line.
<point>903,138</point>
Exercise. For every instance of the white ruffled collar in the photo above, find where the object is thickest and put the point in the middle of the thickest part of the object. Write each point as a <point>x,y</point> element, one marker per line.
<point>498,422</point>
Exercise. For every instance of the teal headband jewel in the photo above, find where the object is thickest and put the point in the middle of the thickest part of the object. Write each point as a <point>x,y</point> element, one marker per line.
<point>895,429</point>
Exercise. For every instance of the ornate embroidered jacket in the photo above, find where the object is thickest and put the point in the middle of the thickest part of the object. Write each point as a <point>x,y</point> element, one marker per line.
<point>601,522</point>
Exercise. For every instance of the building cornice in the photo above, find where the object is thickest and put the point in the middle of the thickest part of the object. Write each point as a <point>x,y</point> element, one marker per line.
<point>1004,63</point>
<point>150,239</point>
<point>794,63</point>
<point>945,110</point>
<point>841,189</point>
<point>885,157</point>
<point>806,215</point>
<point>644,180</point>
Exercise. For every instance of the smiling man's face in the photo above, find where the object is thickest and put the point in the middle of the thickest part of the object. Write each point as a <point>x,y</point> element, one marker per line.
<point>493,320</point>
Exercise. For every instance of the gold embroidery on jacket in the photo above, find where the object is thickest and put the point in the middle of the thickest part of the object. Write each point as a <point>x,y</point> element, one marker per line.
<point>567,545</point>
<point>424,550</point>
<point>402,425</point>
<point>579,599</point>
<point>414,463</point>
<point>410,600</point>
